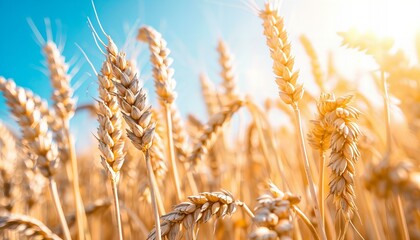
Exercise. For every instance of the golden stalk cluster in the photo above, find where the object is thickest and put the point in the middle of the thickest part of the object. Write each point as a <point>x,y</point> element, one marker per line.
<point>151,160</point>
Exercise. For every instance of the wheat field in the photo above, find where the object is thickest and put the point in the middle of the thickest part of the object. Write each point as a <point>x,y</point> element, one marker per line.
<point>344,166</point>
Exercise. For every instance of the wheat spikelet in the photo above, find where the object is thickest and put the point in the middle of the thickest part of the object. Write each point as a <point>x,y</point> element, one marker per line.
<point>199,210</point>
<point>162,71</point>
<point>213,127</point>
<point>28,226</point>
<point>337,123</point>
<point>33,125</point>
<point>277,41</point>
<point>137,114</point>
<point>209,95</point>
<point>317,72</point>
<point>180,136</point>
<point>157,150</point>
<point>227,73</point>
<point>64,104</point>
<point>273,215</point>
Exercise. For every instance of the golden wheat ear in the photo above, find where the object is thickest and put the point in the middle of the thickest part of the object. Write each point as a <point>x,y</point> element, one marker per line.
<point>27,226</point>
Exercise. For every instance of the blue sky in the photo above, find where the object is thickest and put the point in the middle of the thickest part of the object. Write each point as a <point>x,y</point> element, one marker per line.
<point>192,29</point>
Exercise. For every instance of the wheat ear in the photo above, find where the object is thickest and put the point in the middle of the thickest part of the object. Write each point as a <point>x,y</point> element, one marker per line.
<point>273,215</point>
<point>110,131</point>
<point>209,95</point>
<point>164,85</point>
<point>138,116</point>
<point>36,137</point>
<point>64,106</point>
<point>337,119</point>
<point>227,72</point>
<point>28,226</point>
<point>199,209</point>
<point>286,78</point>
<point>317,72</point>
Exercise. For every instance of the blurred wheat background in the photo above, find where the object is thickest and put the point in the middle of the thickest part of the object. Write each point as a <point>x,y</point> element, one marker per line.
<point>210,120</point>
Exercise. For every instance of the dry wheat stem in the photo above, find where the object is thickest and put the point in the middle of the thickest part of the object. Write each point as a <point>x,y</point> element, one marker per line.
<point>138,116</point>
<point>308,172</point>
<point>306,220</point>
<point>64,106</point>
<point>28,226</point>
<point>110,132</point>
<point>59,208</point>
<point>117,208</point>
<point>153,188</point>
<point>289,90</point>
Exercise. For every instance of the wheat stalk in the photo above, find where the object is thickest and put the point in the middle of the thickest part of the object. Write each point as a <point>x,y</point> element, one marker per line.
<point>286,78</point>
<point>110,132</point>
<point>164,85</point>
<point>138,116</point>
<point>64,106</point>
